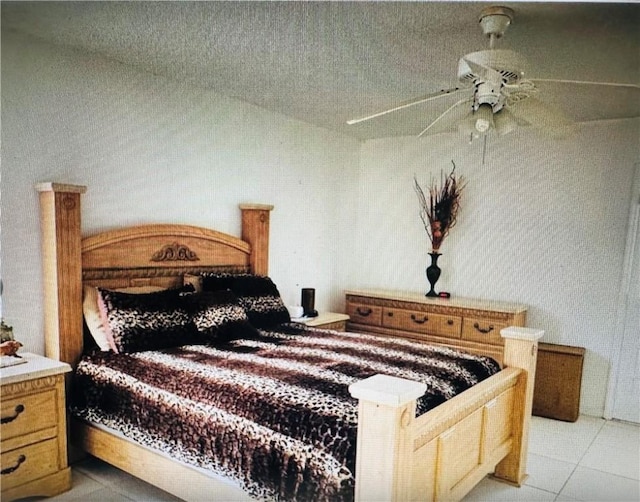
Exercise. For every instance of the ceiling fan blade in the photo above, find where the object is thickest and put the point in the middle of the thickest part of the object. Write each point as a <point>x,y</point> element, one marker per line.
<point>542,117</point>
<point>453,118</point>
<point>585,82</point>
<point>413,102</point>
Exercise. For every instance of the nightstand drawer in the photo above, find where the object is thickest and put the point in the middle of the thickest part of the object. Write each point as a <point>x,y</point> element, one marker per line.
<point>422,322</point>
<point>482,330</point>
<point>27,463</point>
<point>29,413</point>
<point>364,314</point>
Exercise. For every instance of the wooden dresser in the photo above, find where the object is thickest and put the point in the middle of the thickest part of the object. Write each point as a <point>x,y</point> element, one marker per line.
<point>34,432</point>
<point>472,325</point>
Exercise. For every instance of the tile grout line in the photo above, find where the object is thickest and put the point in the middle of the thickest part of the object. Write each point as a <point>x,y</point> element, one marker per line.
<point>617,474</point>
<point>573,471</point>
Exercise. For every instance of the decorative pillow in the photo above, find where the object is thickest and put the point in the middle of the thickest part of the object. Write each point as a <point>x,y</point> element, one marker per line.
<point>218,316</point>
<point>257,294</point>
<point>151,321</point>
<point>92,316</point>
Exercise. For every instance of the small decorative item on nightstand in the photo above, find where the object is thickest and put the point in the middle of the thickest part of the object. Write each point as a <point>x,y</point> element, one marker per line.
<point>8,347</point>
<point>308,302</point>
<point>34,432</point>
<point>6,332</point>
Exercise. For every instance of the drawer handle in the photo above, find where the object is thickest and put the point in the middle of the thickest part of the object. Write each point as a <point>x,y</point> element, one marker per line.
<point>450,322</point>
<point>18,409</point>
<point>419,321</point>
<point>363,312</point>
<point>481,330</point>
<point>9,470</point>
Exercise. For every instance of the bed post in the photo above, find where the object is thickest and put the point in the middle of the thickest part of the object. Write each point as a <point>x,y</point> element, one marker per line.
<point>255,231</point>
<point>62,269</point>
<point>386,410</point>
<point>520,351</point>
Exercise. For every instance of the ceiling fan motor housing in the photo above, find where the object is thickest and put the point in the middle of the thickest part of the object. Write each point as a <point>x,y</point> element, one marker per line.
<point>493,69</point>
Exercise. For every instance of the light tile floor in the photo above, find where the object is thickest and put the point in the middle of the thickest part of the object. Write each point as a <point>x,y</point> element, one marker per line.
<point>589,460</point>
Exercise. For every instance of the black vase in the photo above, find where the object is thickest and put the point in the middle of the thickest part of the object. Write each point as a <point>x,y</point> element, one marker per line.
<point>433,273</point>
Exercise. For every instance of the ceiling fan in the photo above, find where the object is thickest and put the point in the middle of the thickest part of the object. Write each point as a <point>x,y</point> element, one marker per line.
<point>494,95</point>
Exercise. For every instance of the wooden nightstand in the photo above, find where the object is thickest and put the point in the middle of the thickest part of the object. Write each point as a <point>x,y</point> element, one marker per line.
<point>34,430</point>
<point>328,320</point>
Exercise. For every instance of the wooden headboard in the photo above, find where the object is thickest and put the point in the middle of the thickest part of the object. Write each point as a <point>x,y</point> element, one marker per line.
<point>157,254</point>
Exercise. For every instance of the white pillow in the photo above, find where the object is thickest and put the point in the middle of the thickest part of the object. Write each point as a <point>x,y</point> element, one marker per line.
<point>92,315</point>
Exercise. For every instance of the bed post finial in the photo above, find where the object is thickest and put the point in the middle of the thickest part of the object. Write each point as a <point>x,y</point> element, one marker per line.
<point>255,231</point>
<point>386,410</point>
<point>62,269</point>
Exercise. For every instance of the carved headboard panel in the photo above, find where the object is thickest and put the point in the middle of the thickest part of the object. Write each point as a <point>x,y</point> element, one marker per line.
<point>147,254</point>
<point>159,254</point>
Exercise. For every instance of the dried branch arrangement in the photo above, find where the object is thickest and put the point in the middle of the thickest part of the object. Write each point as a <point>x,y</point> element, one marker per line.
<point>440,210</point>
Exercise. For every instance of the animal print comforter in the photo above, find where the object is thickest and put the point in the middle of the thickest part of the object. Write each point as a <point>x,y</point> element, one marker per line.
<point>272,412</point>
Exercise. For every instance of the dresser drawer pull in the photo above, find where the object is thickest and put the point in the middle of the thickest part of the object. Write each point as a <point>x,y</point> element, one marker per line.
<point>419,321</point>
<point>481,330</point>
<point>9,470</point>
<point>18,409</point>
<point>450,322</point>
<point>363,312</point>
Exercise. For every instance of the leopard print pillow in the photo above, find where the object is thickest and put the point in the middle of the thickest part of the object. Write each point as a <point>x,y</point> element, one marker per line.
<point>219,317</point>
<point>153,321</point>
<point>257,294</point>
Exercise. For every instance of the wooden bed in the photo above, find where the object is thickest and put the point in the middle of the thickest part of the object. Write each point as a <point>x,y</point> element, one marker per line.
<point>441,455</point>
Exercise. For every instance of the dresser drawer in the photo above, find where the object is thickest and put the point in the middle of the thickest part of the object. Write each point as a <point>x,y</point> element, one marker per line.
<point>24,414</point>
<point>422,322</point>
<point>364,314</point>
<point>482,330</point>
<point>27,463</point>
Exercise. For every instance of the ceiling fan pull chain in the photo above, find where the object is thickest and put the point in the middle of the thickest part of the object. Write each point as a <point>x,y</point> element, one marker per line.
<point>484,148</point>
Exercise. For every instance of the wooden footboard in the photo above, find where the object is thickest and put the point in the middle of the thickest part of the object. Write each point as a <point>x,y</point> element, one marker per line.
<point>444,453</point>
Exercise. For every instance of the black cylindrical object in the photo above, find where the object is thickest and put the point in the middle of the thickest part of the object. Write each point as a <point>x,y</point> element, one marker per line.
<point>308,302</point>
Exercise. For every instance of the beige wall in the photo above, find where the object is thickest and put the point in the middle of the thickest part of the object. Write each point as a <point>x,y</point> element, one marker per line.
<point>150,149</point>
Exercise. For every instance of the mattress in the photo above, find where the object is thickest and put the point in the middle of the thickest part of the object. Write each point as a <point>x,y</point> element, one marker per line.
<point>271,412</point>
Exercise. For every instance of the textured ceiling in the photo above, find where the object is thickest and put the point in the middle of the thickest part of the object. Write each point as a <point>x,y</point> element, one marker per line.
<point>326,62</point>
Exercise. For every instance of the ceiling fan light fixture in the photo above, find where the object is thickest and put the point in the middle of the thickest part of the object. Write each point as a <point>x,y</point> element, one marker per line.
<point>483,118</point>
